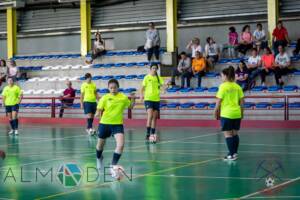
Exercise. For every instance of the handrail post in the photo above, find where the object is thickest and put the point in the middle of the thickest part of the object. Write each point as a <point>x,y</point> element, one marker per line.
<point>53,107</point>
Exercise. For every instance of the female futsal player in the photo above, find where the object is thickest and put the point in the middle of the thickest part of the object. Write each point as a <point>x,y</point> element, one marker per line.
<point>88,101</point>
<point>12,96</point>
<point>110,109</point>
<point>150,93</point>
<point>229,105</point>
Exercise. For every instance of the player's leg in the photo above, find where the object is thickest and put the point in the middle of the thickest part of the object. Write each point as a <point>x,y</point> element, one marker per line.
<point>103,133</point>
<point>227,129</point>
<point>15,121</point>
<point>153,126</point>
<point>120,139</point>
<point>9,115</point>
<point>149,118</point>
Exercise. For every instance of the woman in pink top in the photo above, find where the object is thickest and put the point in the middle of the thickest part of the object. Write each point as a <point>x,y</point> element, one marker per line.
<point>246,42</point>
<point>233,42</point>
<point>268,63</point>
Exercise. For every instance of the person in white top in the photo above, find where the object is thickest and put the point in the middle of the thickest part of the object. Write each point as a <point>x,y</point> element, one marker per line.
<point>195,46</point>
<point>282,64</point>
<point>259,37</point>
<point>98,47</point>
<point>13,71</point>
<point>212,52</point>
<point>254,64</point>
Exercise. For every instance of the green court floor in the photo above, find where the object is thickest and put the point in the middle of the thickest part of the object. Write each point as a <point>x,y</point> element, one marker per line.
<point>186,164</point>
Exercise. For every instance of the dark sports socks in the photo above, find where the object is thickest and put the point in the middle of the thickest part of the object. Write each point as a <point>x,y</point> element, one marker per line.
<point>152,130</point>
<point>90,123</point>
<point>99,153</point>
<point>116,158</point>
<point>16,124</point>
<point>148,130</point>
<point>11,122</point>
<point>236,141</point>
<point>230,145</point>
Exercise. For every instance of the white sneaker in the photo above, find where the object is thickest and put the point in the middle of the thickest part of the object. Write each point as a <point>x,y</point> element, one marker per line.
<point>235,156</point>
<point>229,158</point>
<point>99,162</point>
<point>16,132</point>
<point>87,131</point>
<point>92,131</point>
<point>11,132</point>
<point>116,172</point>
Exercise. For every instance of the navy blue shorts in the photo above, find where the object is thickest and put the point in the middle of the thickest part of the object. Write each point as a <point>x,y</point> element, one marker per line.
<point>107,130</point>
<point>89,107</point>
<point>9,109</point>
<point>155,105</point>
<point>230,124</point>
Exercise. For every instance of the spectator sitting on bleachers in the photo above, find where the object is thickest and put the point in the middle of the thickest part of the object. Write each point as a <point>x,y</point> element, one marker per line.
<point>3,71</point>
<point>280,37</point>
<point>233,41</point>
<point>194,45</point>
<point>242,75</point>
<point>199,67</point>
<point>268,63</point>
<point>282,64</point>
<point>259,37</point>
<point>13,71</point>
<point>98,47</point>
<point>152,42</point>
<point>67,99</point>
<point>212,52</point>
<point>297,50</point>
<point>185,69</point>
<point>246,41</point>
<point>254,66</point>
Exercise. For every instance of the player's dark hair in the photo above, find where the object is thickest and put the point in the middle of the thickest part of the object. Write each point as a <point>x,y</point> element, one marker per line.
<point>229,73</point>
<point>4,62</point>
<point>113,81</point>
<point>87,75</point>
<point>155,65</point>
<point>232,29</point>
<point>245,27</point>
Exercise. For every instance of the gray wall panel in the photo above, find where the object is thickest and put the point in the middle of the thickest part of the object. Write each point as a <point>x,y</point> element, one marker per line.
<point>39,45</point>
<point>129,12</point>
<point>2,21</point>
<point>3,49</point>
<point>290,7</point>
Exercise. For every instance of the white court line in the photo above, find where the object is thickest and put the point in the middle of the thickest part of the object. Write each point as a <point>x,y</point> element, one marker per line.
<point>276,197</point>
<point>271,188</point>
<point>243,144</point>
<point>140,146</point>
<point>44,140</point>
<point>2,198</point>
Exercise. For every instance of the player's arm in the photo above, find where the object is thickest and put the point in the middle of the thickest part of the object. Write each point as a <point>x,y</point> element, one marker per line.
<point>142,90</point>
<point>217,108</point>
<point>99,113</point>
<point>20,97</point>
<point>3,100</point>
<point>97,95</point>
<point>132,101</point>
<point>242,101</point>
<point>81,99</point>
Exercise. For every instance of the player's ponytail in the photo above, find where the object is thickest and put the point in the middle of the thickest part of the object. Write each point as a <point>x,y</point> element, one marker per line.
<point>229,73</point>
<point>156,74</point>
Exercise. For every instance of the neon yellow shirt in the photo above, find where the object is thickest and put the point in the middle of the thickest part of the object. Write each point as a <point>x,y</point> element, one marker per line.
<point>12,95</point>
<point>230,93</point>
<point>113,107</point>
<point>152,87</point>
<point>89,90</point>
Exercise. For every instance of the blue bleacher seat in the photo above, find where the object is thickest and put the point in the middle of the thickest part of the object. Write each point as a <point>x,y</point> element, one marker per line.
<point>297,72</point>
<point>142,76</point>
<point>224,60</point>
<point>201,105</point>
<point>82,78</point>
<point>76,105</point>
<point>120,64</point>
<point>200,89</point>
<point>274,88</point>
<point>172,90</point>
<point>290,88</point>
<point>211,74</point>
<point>107,77</point>
<point>96,78</point>
<point>294,105</point>
<point>213,89</point>
<point>130,77</point>
<point>98,65</point>
<point>142,64</point>
<point>108,65</point>
<point>172,105</point>
<point>212,105</point>
<point>163,105</point>
<point>249,105</point>
<point>129,90</point>
<point>131,64</point>
<point>118,77</point>
<point>258,88</point>
<point>187,105</point>
<point>77,91</point>
<point>185,90</point>
<point>277,105</point>
<point>262,105</point>
<point>103,91</point>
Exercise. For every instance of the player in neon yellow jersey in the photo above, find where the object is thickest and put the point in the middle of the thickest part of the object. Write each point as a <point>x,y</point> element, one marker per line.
<point>150,93</point>
<point>229,105</point>
<point>88,101</point>
<point>110,109</point>
<point>12,96</point>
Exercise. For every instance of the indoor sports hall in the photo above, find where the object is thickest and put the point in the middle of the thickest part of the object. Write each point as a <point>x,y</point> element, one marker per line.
<point>149,100</point>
